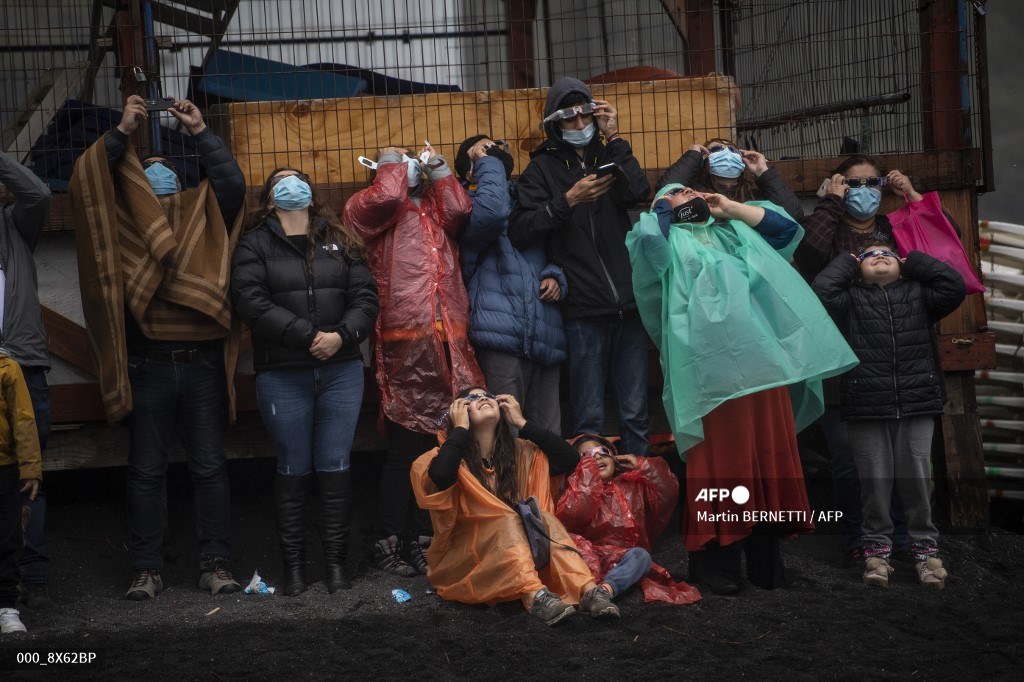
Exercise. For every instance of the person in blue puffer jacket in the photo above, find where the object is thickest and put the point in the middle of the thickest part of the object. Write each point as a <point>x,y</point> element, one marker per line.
<point>515,324</point>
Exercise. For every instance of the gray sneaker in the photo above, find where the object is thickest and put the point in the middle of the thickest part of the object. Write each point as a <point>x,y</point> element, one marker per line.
<point>10,621</point>
<point>598,603</point>
<point>216,577</point>
<point>549,608</point>
<point>147,584</point>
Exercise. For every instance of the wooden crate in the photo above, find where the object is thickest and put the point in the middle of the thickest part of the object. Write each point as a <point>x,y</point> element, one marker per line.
<point>325,137</point>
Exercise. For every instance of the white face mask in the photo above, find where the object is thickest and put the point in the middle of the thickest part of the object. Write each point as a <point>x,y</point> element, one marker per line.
<point>578,138</point>
<point>415,174</point>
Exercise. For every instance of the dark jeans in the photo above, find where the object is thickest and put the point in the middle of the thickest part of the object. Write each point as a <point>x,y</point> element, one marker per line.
<point>10,535</point>
<point>311,414</point>
<point>35,556</point>
<point>593,346</point>
<point>193,395</point>
<point>631,569</point>
<point>532,384</point>
<point>846,489</point>
<point>397,513</point>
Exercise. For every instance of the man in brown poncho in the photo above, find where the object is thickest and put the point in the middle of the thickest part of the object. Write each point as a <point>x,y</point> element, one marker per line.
<point>153,263</point>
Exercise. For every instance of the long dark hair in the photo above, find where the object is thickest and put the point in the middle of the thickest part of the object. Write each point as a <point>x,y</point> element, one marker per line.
<point>324,224</point>
<point>504,460</point>
<point>745,184</point>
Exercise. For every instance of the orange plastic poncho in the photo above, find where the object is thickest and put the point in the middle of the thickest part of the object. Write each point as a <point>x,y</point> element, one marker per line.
<point>480,554</point>
<point>606,519</point>
<point>413,254</point>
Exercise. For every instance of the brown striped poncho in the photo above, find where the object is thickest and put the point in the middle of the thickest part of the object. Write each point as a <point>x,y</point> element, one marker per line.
<point>167,259</point>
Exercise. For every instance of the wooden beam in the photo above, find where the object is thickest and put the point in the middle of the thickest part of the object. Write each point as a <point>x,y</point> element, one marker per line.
<point>68,340</point>
<point>521,15</point>
<point>676,10</point>
<point>700,37</point>
<point>54,89</point>
<point>959,464</point>
<point>942,70</point>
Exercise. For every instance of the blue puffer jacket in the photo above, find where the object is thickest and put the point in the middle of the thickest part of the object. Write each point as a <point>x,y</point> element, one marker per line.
<point>506,313</point>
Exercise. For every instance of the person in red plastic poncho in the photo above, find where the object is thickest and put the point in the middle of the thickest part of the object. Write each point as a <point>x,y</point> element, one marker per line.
<point>614,507</point>
<point>423,358</point>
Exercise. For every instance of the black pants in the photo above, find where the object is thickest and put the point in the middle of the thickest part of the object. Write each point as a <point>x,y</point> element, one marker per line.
<point>397,513</point>
<point>10,536</point>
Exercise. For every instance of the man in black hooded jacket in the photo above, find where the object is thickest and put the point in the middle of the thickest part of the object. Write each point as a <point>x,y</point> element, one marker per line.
<point>583,220</point>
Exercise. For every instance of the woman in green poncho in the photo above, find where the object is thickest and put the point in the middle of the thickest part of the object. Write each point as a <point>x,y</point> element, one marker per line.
<point>744,345</point>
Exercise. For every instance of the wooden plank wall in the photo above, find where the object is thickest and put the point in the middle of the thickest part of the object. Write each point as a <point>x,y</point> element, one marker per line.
<point>324,137</point>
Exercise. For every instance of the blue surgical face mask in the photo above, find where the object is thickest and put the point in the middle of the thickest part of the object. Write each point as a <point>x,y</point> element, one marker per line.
<point>415,173</point>
<point>162,179</point>
<point>578,138</point>
<point>292,194</point>
<point>862,202</point>
<point>725,164</point>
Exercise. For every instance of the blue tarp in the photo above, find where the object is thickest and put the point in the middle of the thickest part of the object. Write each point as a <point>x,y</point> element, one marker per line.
<point>230,76</point>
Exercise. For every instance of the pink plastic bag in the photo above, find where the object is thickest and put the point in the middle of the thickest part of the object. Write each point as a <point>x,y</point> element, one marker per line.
<point>922,226</point>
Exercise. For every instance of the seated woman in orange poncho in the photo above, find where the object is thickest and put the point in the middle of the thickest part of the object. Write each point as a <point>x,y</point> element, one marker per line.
<point>480,553</point>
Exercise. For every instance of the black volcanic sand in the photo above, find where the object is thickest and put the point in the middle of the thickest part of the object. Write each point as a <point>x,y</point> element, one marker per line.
<point>830,626</point>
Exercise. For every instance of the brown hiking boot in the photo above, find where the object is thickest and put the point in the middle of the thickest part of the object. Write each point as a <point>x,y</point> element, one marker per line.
<point>146,585</point>
<point>216,577</point>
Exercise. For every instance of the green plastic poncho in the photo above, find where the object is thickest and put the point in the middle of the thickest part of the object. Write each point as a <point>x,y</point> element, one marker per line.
<point>730,316</point>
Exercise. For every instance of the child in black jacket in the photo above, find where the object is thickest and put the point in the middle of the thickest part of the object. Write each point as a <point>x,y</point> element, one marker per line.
<point>885,308</point>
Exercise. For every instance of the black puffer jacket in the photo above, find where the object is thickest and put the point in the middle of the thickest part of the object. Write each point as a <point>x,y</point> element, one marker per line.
<point>588,241</point>
<point>285,303</point>
<point>889,328</point>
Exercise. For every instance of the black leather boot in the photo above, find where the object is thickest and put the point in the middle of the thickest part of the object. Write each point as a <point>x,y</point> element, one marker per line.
<point>764,559</point>
<point>290,500</point>
<point>335,513</point>
<point>717,568</point>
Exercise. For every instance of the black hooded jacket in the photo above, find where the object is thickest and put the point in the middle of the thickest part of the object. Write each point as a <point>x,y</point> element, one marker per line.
<point>285,300</point>
<point>588,241</point>
<point>889,328</point>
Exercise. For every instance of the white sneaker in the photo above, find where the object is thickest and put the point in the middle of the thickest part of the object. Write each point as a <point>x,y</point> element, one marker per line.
<point>10,621</point>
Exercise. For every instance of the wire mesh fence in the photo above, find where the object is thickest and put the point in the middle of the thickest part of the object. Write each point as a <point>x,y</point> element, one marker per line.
<point>337,79</point>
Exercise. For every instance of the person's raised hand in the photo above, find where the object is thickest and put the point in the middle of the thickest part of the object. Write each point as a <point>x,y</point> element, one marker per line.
<point>588,189</point>
<point>325,344</point>
<point>134,114</point>
<point>512,411</point>
<point>754,161</point>
<point>720,205</point>
<point>901,183</point>
<point>626,462</point>
<point>700,149</point>
<point>549,290</point>
<point>189,115</point>
<point>458,413</point>
<point>837,186</point>
<point>606,117</point>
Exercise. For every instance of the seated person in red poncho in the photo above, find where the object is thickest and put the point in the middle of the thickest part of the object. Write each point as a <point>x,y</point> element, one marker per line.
<point>614,506</point>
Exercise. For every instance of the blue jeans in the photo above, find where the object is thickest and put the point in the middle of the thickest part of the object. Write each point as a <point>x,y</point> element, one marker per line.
<point>35,556</point>
<point>593,346</point>
<point>632,567</point>
<point>846,492</point>
<point>311,414</point>
<point>193,394</point>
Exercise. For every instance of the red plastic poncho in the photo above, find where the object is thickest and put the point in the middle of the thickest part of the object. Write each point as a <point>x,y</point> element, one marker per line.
<point>631,510</point>
<point>414,256</point>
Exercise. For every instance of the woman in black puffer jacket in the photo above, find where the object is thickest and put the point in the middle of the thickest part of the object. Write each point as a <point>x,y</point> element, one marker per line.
<point>886,309</point>
<point>299,283</point>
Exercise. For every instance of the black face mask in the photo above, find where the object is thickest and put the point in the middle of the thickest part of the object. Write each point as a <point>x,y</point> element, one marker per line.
<point>505,158</point>
<point>695,210</point>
